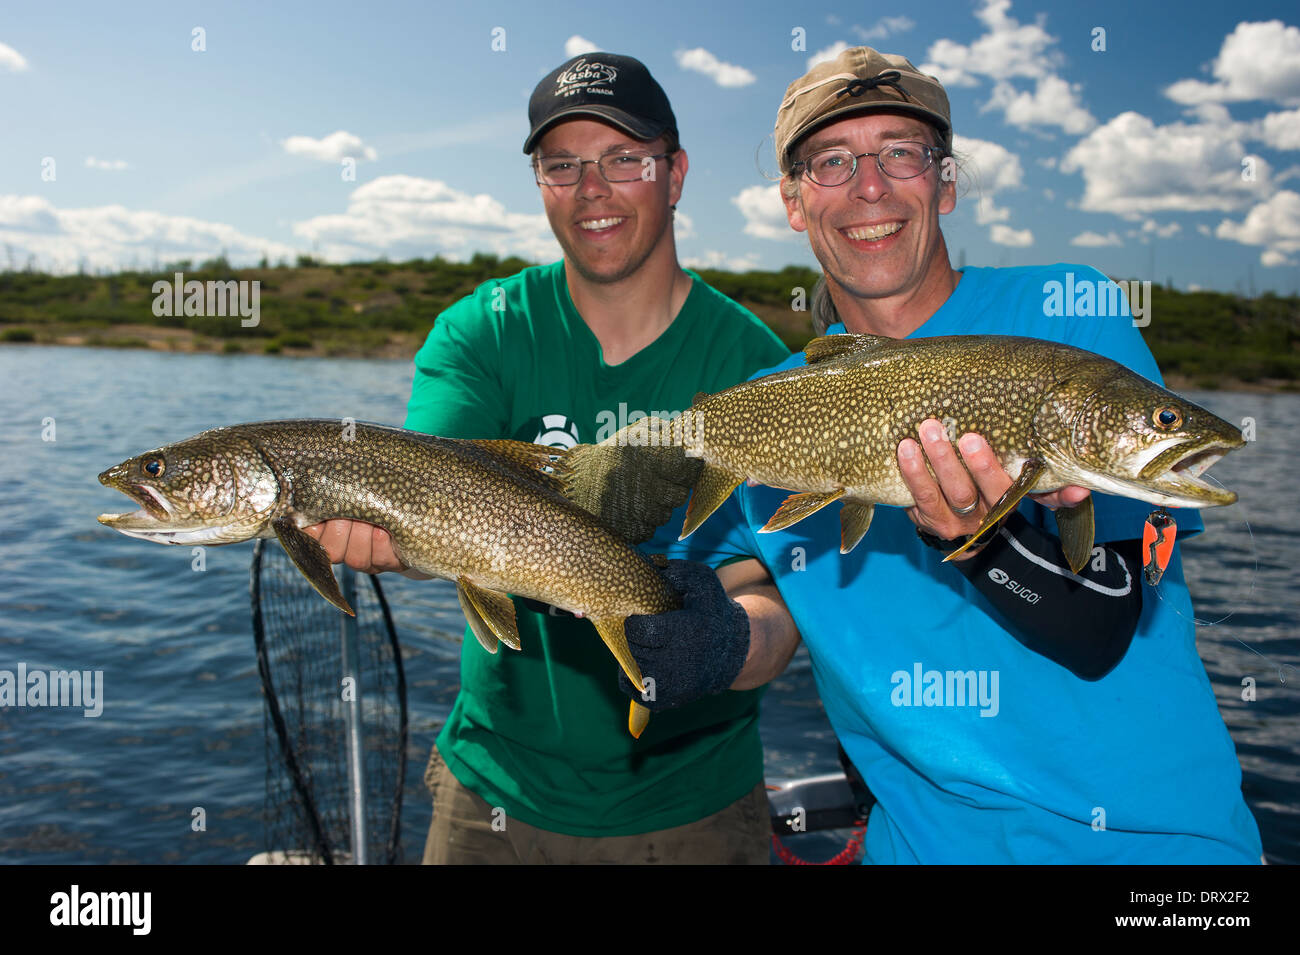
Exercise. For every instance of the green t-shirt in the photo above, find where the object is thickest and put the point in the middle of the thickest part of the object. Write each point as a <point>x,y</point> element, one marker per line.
<point>542,732</point>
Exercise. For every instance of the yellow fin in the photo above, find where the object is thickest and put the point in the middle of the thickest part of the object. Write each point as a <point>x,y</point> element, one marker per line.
<point>310,558</point>
<point>798,506</point>
<point>638,718</point>
<point>611,631</point>
<point>714,486</point>
<point>1077,530</point>
<point>1005,505</point>
<point>491,615</point>
<point>855,518</point>
<point>832,346</point>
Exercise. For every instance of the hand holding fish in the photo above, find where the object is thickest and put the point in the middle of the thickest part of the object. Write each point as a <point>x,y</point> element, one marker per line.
<point>363,547</point>
<point>954,502</point>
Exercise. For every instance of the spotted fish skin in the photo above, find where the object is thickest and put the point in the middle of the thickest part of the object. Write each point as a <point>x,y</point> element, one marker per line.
<point>482,513</point>
<point>1055,414</point>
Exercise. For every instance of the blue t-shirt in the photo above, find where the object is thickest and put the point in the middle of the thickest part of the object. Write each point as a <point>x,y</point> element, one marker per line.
<point>976,748</point>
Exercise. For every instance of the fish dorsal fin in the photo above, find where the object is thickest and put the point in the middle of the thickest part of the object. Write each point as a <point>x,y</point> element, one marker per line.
<point>521,459</point>
<point>832,346</point>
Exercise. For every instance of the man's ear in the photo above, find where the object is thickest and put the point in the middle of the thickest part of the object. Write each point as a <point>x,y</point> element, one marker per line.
<point>793,208</point>
<point>677,175</point>
<point>947,186</point>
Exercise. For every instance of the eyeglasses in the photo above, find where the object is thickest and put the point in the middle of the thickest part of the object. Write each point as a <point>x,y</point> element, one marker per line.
<point>834,167</point>
<point>627,165</point>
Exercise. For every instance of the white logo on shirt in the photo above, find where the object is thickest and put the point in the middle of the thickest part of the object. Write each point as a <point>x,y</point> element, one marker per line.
<point>557,431</point>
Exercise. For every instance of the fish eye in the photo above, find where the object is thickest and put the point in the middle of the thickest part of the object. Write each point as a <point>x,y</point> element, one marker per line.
<point>1167,419</point>
<point>154,467</point>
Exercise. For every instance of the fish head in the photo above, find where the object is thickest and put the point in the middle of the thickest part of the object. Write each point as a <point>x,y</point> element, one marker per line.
<point>214,488</point>
<point>1129,436</point>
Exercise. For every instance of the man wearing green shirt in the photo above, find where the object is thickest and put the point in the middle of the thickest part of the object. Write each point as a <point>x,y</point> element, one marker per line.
<point>535,763</point>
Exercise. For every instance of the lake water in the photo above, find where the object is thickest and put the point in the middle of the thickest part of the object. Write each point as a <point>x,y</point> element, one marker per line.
<point>182,723</point>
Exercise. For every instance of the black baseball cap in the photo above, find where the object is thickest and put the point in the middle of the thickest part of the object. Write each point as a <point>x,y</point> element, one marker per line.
<point>606,86</point>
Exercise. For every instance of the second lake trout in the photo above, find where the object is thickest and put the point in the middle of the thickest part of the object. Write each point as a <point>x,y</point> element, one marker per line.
<point>1054,415</point>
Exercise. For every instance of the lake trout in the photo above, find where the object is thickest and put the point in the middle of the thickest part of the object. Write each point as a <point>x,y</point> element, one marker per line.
<point>1054,415</point>
<point>481,513</point>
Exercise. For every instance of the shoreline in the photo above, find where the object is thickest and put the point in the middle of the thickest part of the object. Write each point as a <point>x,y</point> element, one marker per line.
<point>402,346</point>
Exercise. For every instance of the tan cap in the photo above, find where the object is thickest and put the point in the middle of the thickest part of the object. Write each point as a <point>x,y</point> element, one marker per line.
<point>858,80</point>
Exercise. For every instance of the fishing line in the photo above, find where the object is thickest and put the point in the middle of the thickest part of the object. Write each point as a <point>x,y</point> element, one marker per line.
<point>1282,668</point>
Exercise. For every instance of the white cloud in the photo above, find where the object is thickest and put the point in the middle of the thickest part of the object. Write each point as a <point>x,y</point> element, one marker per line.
<point>828,54</point>
<point>714,259</point>
<point>1167,231</point>
<point>114,237</point>
<point>1132,167</point>
<point>110,164</point>
<point>988,168</point>
<point>1054,102</point>
<point>1281,130</point>
<point>724,74</point>
<point>333,148</point>
<point>1007,50</point>
<point>1258,61</point>
<point>11,59</point>
<point>1094,240</point>
<point>407,216</point>
<point>764,212</point>
<point>884,27</point>
<point>1005,235</point>
<point>577,45</point>
<point>1274,224</point>
<point>683,226</point>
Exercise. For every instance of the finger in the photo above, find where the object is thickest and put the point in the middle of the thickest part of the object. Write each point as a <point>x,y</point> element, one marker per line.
<point>984,467</point>
<point>360,549</point>
<point>334,539</point>
<point>958,489</point>
<point>384,556</point>
<point>930,503</point>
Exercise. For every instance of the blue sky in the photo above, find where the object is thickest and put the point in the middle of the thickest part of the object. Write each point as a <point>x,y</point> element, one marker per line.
<point>125,146</point>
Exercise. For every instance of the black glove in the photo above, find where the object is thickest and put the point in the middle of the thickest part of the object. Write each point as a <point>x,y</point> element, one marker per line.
<point>693,652</point>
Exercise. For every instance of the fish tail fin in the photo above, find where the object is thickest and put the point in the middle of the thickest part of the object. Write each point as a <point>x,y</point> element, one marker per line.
<point>611,631</point>
<point>633,481</point>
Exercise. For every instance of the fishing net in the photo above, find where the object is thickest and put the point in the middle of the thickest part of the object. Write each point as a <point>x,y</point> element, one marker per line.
<point>298,635</point>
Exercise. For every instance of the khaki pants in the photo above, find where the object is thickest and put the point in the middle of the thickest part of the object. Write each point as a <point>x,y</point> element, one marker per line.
<point>462,833</point>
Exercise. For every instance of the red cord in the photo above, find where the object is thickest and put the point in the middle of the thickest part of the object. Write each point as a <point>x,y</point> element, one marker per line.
<point>850,854</point>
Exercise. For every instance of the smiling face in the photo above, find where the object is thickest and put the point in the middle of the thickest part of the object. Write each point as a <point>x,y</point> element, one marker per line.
<point>876,238</point>
<point>610,230</point>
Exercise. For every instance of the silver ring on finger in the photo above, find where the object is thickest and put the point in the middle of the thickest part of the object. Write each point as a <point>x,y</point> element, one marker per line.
<point>963,511</point>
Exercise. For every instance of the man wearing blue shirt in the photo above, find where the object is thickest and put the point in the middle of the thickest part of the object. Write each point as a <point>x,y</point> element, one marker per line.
<point>1077,727</point>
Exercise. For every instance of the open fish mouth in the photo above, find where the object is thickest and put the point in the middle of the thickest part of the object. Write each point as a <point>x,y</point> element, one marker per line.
<point>1178,471</point>
<point>154,510</point>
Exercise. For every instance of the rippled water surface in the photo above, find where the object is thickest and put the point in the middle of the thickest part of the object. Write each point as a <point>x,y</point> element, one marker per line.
<point>182,725</point>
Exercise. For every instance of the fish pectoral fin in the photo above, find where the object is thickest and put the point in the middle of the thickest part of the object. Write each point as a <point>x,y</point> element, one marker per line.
<point>798,506</point>
<point>714,486</point>
<point>1077,530</point>
<point>832,346</point>
<point>1005,505</point>
<point>611,631</point>
<point>310,558</point>
<point>491,614</point>
<point>855,518</point>
<point>638,718</point>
